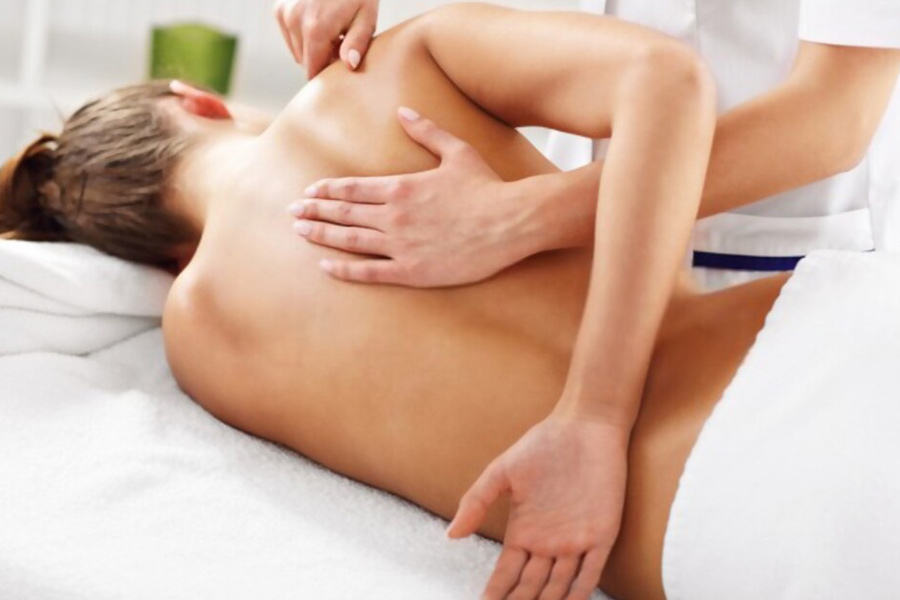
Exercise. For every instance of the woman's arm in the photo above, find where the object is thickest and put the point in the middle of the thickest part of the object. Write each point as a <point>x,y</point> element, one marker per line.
<point>595,77</point>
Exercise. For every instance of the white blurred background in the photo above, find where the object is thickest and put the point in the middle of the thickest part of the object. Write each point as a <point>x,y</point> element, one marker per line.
<point>56,54</point>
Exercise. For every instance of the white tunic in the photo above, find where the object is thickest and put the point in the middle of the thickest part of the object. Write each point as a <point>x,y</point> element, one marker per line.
<point>750,45</point>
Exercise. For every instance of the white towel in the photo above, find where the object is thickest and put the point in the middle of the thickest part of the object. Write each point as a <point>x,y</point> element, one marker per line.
<point>72,299</point>
<point>792,491</point>
<point>113,484</point>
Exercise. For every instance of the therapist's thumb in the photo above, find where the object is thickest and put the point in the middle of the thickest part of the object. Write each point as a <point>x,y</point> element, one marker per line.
<point>474,505</point>
<point>428,135</point>
<point>358,37</point>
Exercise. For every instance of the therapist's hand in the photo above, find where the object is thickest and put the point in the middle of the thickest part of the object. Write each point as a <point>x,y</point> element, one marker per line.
<point>447,226</point>
<point>566,481</point>
<point>317,32</point>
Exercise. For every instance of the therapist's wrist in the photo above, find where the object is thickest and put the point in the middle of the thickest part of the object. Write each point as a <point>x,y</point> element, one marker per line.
<point>515,220</point>
<point>561,208</point>
<point>532,222</point>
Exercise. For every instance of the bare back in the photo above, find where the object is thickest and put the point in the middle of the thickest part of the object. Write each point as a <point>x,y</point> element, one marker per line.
<point>416,391</point>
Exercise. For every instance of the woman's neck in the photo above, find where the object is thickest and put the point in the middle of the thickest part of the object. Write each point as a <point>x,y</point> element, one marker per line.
<point>210,173</point>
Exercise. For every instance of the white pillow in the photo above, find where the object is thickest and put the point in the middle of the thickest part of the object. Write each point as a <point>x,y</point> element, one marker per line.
<point>72,299</point>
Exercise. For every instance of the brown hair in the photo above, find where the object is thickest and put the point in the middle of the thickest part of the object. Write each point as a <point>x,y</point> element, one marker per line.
<point>101,181</point>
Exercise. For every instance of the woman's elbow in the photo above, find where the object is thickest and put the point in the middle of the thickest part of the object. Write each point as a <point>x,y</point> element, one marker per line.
<point>673,73</point>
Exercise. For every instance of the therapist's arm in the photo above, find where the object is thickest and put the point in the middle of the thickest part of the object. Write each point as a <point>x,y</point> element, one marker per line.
<point>817,124</point>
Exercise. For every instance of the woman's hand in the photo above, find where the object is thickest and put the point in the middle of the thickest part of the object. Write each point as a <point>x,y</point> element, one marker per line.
<point>448,226</point>
<point>566,480</point>
<point>312,30</point>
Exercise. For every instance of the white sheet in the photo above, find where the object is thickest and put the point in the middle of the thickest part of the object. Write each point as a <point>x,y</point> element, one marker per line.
<point>113,484</point>
<point>793,488</point>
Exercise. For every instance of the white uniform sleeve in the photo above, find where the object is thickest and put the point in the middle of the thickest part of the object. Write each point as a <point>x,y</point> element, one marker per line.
<point>871,23</point>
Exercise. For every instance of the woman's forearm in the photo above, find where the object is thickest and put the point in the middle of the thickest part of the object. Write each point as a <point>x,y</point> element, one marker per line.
<point>647,203</point>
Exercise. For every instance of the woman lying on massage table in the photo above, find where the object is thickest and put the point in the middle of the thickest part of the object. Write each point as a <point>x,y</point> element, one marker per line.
<point>411,391</point>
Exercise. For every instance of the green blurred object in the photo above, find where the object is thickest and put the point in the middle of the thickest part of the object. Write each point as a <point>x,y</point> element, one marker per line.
<point>196,53</point>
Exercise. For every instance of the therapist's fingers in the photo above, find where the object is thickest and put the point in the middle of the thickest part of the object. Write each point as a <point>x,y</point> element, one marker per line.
<point>358,36</point>
<point>318,48</point>
<point>350,239</point>
<point>564,570</point>
<point>532,579</point>
<point>294,48</point>
<point>589,576</point>
<point>364,271</point>
<point>337,211</point>
<point>289,20</point>
<point>439,142</point>
<point>368,190</point>
<point>506,573</point>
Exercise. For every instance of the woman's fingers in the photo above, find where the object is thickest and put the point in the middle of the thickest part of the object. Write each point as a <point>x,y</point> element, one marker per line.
<point>506,573</point>
<point>532,579</point>
<point>474,505</point>
<point>564,570</point>
<point>350,239</point>
<point>359,35</point>
<point>337,211</point>
<point>589,575</point>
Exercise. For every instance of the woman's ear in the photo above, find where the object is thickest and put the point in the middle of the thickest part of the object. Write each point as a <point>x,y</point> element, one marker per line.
<point>199,102</point>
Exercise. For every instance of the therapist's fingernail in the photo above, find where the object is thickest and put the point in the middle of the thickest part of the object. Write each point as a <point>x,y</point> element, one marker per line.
<point>311,190</point>
<point>326,265</point>
<point>408,113</point>
<point>304,228</point>
<point>354,57</point>
<point>295,209</point>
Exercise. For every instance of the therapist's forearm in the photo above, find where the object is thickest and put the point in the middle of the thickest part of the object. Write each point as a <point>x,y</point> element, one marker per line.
<point>760,149</point>
<point>775,144</point>
<point>819,123</point>
<point>816,125</point>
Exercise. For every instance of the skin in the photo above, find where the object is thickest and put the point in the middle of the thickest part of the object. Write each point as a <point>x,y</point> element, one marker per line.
<point>567,474</point>
<point>771,144</point>
<point>427,394</point>
<point>444,232</point>
<point>317,32</point>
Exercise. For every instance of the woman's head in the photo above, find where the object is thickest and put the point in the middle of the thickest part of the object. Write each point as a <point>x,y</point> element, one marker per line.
<point>103,180</point>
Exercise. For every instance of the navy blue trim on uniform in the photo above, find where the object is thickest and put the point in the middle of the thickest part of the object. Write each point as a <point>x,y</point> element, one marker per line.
<point>737,262</point>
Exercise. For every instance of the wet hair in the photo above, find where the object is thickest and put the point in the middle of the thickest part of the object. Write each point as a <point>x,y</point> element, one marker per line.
<point>102,180</point>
